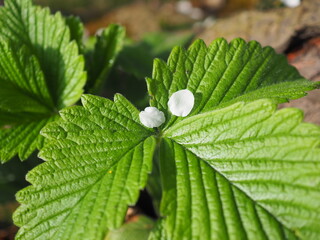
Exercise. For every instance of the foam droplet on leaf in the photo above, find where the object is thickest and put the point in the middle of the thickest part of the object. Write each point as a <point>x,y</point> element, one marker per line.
<point>152,117</point>
<point>181,103</point>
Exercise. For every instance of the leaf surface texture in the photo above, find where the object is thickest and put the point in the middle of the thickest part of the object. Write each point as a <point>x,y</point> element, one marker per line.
<point>41,72</point>
<point>234,168</point>
<point>224,73</point>
<point>97,163</point>
<point>242,172</point>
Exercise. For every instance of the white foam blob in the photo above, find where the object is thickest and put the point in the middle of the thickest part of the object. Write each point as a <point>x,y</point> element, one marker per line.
<point>152,117</point>
<point>181,103</point>
<point>291,3</point>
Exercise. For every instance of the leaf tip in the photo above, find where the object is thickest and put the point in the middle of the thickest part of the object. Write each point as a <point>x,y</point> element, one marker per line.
<point>118,97</point>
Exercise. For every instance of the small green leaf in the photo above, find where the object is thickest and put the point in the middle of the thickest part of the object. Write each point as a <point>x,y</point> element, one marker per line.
<point>223,73</point>
<point>97,161</point>
<point>101,59</point>
<point>76,31</point>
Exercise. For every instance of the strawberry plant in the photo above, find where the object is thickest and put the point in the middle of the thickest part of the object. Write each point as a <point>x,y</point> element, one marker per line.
<point>214,153</point>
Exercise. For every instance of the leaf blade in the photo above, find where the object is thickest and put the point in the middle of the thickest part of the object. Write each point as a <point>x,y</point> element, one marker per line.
<point>222,74</point>
<point>23,23</point>
<point>102,158</point>
<point>41,71</point>
<point>263,173</point>
<point>21,77</point>
<point>22,139</point>
<point>103,56</point>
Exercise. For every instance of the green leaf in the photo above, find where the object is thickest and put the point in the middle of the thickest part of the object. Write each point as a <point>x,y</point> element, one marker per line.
<point>243,172</point>
<point>223,73</point>
<point>101,59</point>
<point>134,63</point>
<point>48,38</point>
<point>23,87</point>
<point>136,57</point>
<point>41,72</point>
<point>135,230</point>
<point>234,169</point>
<point>25,103</point>
<point>97,161</point>
<point>161,43</point>
<point>158,232</point>
<point>22,139</point>
<point>76,31</point>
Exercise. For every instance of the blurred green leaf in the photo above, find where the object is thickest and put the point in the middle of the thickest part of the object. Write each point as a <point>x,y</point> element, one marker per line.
<point>136,57</point>
<point>41,72</point>
<point>76,31</point>
<point>100,60</point>
<point>134,63</point>
<point>136,230</point>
